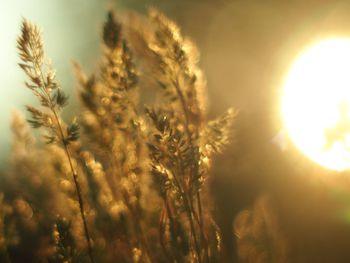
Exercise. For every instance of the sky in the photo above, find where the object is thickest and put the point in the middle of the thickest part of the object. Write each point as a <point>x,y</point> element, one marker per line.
<point>238,40</point>
<point>69,34</point>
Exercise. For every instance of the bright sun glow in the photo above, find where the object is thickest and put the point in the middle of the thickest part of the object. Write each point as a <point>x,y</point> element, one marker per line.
<point>316,103</point>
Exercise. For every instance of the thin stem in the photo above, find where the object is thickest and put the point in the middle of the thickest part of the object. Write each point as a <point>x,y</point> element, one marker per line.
<point>187,204</point>
<point>161,236</point>
<point>188,208</point>
<point>201,226</point>
<point>189,214</point>
<point>81,203</point>
<point>173,228</point>
<point>75,175</point>
<point>188,132</point>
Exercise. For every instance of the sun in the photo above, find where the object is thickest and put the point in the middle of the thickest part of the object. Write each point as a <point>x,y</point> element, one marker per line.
<point>316,103</point>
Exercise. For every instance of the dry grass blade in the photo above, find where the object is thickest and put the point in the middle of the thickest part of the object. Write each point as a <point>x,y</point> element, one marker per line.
<point>52,99</point>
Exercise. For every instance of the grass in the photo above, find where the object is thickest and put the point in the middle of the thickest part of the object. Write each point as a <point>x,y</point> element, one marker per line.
<point>121,182</point>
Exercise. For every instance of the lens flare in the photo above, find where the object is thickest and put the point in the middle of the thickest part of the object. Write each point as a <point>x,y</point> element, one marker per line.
<point>316,103</point>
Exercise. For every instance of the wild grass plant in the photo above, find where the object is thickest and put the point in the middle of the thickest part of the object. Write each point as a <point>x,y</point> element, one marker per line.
<point>121,182</point>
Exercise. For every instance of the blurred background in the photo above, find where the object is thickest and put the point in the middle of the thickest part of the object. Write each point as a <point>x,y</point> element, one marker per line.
<point>247,47</point>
